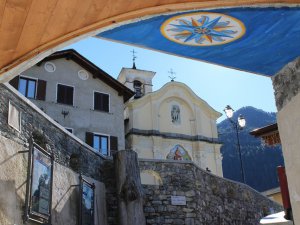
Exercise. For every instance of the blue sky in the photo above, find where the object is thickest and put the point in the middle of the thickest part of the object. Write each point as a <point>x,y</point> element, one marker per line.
<point>218,86</point>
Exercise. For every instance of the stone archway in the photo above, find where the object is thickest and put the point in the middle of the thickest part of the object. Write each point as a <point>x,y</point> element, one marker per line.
<point>31,30</point>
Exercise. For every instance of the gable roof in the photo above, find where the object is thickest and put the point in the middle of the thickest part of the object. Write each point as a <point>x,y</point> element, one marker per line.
<point>71,54</point>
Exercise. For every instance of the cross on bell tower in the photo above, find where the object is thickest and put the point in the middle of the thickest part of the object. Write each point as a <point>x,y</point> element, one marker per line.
<point>133,58</point>
<point>172,77</point>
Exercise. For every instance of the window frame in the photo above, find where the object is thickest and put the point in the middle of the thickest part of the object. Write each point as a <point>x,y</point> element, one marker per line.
<point>109,98</point>
<point>29,213</point>
<point>108,142</point>
<point>10,105</point>
<point>28,78</point>
<point>92,186</point>
<point>73,99</point>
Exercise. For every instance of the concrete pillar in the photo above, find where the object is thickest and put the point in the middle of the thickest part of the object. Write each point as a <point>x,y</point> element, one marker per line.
<point>286,84</point>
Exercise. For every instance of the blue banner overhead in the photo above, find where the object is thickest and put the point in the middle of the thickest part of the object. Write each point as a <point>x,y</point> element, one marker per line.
<point>258,40</point>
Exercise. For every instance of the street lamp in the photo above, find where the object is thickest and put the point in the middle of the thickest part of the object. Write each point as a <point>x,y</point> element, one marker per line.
<point>239,125</point>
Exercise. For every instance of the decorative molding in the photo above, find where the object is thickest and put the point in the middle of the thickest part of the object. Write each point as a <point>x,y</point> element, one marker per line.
<point>83,74</point>
<point>134,131</point>
<point>50,67</point>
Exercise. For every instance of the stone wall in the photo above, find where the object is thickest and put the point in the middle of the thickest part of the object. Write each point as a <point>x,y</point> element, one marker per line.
<point>286,83</point>
<point>72,157</point>
<point>210,200</point>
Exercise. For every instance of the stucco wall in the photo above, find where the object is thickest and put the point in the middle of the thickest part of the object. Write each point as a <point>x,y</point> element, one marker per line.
<point>13,176</point>
<point>210,200</point>
<point>81,117</point>
<point>153,112</point>
<point>286,85</point>
<point>65,193</point>
<point>289,128</point>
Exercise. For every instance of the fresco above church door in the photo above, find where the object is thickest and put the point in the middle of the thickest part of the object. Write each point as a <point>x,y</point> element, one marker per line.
<point>178,153</point>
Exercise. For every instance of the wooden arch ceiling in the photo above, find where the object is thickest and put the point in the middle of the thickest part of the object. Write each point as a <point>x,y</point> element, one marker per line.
<point>32,29</point>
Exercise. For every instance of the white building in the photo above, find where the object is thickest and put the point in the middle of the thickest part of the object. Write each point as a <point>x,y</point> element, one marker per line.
<point>80,96</point>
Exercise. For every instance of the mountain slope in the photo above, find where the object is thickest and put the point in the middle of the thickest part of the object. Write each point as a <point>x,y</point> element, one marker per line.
<point>259,162</point>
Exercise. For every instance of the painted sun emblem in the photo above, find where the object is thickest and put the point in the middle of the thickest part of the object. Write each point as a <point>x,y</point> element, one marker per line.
<point>203,29</point>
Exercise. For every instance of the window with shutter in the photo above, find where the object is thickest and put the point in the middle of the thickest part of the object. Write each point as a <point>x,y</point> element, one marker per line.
<point>101,102</point>
<point>27,87</point>
<point>65,94</point>
<point>98,141</point>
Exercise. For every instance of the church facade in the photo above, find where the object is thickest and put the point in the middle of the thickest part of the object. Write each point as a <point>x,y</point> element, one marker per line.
<point>170,123</point>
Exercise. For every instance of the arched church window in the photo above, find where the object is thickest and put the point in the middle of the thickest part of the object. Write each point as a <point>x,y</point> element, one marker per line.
<point>138,88</point>
<point>178,153</point>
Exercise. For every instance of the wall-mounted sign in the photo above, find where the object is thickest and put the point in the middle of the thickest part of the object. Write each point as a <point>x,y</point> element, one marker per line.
<point>87,202</point>
<point>41,182</point>
<point>39,189</point>
<point>178,200</point>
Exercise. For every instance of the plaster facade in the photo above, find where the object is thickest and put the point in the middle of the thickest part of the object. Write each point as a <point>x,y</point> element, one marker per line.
<point>289,128</point>
<point>287,93</point>
<point>173,117</point>
<point>81,117</point>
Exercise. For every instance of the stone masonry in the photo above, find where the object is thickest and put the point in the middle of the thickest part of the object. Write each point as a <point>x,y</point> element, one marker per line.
<point>286,83</point>
<point>210,200</point>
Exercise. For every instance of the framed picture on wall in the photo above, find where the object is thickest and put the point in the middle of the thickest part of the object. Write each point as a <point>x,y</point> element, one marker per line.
<point>87,193</point>
<point>39,187</point>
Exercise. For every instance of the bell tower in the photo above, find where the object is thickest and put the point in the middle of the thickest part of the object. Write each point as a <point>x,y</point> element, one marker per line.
<point>139,81</point>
